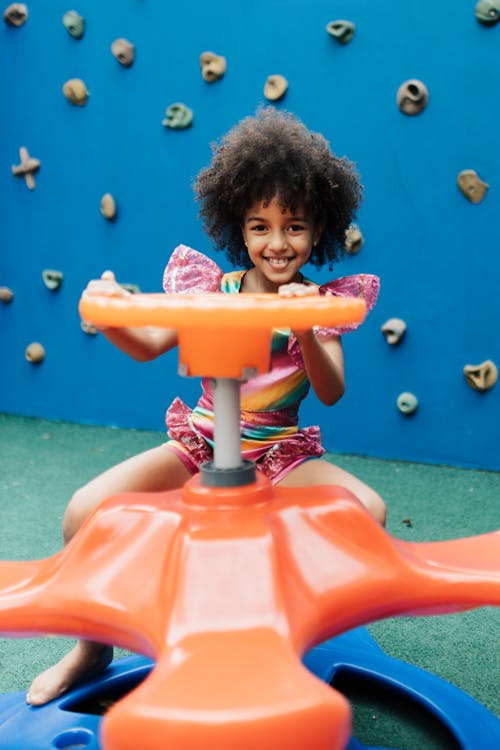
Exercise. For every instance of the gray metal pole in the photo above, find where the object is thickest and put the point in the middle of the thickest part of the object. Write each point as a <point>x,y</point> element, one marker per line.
<point>227,445</point>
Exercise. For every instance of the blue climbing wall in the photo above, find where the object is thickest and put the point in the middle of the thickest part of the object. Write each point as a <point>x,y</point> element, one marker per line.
<point>438,254</point>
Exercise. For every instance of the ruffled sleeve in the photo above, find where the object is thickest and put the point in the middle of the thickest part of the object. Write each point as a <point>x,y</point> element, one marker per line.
<point>191,272</point>
<point>362,285</point>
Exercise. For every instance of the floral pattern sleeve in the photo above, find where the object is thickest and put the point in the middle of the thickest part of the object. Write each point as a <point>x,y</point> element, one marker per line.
<point>362,285</point>
<point>191,272</point>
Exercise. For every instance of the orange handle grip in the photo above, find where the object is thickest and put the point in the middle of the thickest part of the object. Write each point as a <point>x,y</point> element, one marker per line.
<point>211,325</point>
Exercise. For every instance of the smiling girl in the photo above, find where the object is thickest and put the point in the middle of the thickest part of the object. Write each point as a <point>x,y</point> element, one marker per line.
<point>273,198</point>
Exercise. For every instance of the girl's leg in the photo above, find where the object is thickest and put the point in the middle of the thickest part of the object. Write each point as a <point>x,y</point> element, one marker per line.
<point>155,470</point>
<point>317,471</point>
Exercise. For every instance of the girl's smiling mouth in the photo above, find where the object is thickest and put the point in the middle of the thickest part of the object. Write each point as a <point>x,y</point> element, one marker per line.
<point>278,263</point>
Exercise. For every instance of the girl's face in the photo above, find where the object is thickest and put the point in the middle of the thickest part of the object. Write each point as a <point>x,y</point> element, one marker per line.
<point>279,243</point>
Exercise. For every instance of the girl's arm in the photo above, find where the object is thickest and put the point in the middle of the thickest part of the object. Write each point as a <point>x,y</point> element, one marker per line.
<point>324,363</point>
<point>323,360</point>
<point>142,344</point>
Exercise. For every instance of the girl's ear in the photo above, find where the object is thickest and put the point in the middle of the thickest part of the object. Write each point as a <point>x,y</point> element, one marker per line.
<point>318,231</point>
<point>243,235</point>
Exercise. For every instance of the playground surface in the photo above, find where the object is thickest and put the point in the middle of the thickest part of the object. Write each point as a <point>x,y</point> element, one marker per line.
<point>42,462</point>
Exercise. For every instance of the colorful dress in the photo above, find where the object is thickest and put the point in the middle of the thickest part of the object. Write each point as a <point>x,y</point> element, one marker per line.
<point>270,434</point>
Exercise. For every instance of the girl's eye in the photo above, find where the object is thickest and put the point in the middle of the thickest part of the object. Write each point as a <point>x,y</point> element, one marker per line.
<point>258,228</point>
<point>297,228</point>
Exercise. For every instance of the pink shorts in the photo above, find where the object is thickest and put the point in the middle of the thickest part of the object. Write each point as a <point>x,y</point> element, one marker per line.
<point>275,471</point>
<point>275,460</point>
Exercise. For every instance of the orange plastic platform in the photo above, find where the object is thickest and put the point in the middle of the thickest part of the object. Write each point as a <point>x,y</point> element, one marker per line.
<point>226,589</point>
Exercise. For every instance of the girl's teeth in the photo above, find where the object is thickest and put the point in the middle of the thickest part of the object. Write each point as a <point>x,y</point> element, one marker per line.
<point>278,262</point>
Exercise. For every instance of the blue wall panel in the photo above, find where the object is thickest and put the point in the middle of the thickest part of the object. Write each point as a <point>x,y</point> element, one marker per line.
<point>437,254</point>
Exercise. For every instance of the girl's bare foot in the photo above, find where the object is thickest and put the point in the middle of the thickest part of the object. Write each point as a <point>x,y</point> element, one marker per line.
<point>84,660</point>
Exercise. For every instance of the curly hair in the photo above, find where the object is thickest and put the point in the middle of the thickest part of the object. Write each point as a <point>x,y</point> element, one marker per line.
<point>273,155</point>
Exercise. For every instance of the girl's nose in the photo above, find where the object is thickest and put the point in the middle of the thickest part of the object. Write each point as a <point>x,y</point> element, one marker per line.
<point>277,240</point>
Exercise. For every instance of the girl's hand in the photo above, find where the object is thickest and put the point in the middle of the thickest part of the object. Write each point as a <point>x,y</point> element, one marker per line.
<point>142,344</point>
<point>298,290</point>
<point>107,286</point>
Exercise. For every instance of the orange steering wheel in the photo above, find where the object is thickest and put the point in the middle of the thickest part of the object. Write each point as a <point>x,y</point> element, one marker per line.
<point>212,326</point>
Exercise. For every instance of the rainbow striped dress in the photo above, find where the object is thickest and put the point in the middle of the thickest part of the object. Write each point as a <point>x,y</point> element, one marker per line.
<point>270,402</point>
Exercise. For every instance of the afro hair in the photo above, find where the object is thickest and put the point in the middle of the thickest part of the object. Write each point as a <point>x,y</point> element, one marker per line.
<point>273,154</point>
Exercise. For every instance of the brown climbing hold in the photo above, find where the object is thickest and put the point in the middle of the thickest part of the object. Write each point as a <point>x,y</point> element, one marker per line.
<point>472,186</point>
<point>213,66</point>
<point>108,207</point>
<point>76,92</point>
<point>412,97</point>
<point>26,168</point>
<point>481,377</point>
<point>35,353</point>
<point>353,239</point>
<point>6,295</point>
<point>394,329</point>
<point>16,14</point>
<point>276,87</point>
<point>124,52</point>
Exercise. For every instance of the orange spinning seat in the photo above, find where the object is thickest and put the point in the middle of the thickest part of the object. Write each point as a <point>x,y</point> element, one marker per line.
<point>226,587</point>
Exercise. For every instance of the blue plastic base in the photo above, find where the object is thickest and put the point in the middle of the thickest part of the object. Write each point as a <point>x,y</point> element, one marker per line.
<point>357,654</point>
<point>72,722</point>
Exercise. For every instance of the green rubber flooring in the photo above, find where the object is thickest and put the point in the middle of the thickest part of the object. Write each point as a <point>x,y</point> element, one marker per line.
<point>43,462</point>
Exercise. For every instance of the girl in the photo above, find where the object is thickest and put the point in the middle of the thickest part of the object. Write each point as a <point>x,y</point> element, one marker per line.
<point>274,198</point>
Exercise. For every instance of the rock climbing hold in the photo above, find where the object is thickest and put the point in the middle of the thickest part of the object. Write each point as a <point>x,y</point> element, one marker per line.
<point>213,66</point>
<point>472,186</point>
<point>6,295</point>
<point>488,12</point>
<point>74,23</point>
<point>132,288</point>
<point>481,377</point>
<point>76,92</point>
<point>35,353</point>
<point>124,52</point>
<point>407,403</point>
<point>342,31</point>
<point>276,87</point>
<point>412,97</point>
<point>16,14</point>
<point>108,207</point>
<point>394,329</point>
<point>88,328</point>
<point>26,168</point>
<point>52,279</point>
<point>353,239</point>
<point>178,116</point>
